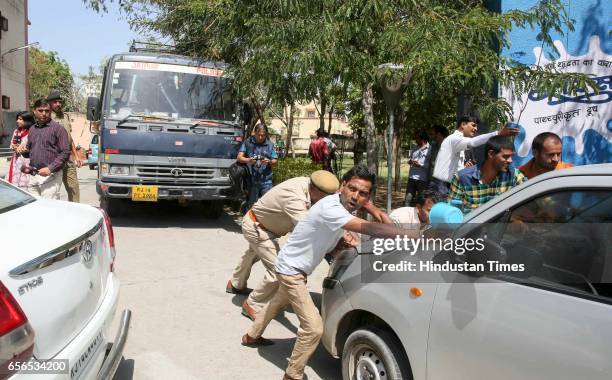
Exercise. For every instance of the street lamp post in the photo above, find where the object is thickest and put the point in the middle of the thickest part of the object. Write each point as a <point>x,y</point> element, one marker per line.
<point>17,49</point>
<point>393,80</point>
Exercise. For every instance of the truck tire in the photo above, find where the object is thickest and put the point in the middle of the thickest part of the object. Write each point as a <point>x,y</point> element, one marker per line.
<point>372,353</point>
<point>112,206</point>
<point>92,166</point>
<point>213,209</point>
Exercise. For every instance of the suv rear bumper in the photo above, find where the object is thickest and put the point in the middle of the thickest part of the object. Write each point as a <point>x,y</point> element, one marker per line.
<point>114,355</point>
<point>165,192</point>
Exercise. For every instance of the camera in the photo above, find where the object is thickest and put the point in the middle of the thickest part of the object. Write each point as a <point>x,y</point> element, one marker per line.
<point>27,169</point>
<point>258,158</point>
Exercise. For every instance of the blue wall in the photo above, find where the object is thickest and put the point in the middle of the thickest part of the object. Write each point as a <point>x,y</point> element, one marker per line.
<point>591,17</point>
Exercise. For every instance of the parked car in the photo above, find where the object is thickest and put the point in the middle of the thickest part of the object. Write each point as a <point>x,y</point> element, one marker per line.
<point>92,152</point>
<point>552,322</point>
<point>58,289</point>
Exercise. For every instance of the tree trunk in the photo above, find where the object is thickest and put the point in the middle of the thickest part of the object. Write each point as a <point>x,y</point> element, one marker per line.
<point>329,115</point>
<point>288,143</point>
<point>397,147</point>
<point>368,119</point>
<point>322,113</point>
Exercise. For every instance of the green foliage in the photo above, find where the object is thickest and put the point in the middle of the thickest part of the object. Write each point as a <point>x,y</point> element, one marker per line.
<point>47,72</point>
<point>288,167</point>
<point>282,52</point>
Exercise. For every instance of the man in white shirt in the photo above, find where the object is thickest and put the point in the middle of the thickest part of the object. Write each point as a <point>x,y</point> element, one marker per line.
<point>419,165</point>
<point>451,157</point>
<point>314,236</point>
<point>416,217</point>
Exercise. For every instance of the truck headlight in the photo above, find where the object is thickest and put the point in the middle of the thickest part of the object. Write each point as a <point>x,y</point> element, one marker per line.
<point>119,170</point>
<point>103,169</point>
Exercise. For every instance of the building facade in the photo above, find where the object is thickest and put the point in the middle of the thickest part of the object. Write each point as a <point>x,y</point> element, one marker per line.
<point>305,124</point>
<point>13,64</point>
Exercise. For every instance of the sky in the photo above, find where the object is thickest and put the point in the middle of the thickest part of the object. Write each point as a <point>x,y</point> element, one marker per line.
<point>78,34</point>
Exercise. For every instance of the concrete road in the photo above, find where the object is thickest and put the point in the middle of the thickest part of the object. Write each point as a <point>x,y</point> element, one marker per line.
<point>174,264</point>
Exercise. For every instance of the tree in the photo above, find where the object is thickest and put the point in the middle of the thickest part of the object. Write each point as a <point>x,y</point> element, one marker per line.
<point>46,72</point>
<point>296,50</point>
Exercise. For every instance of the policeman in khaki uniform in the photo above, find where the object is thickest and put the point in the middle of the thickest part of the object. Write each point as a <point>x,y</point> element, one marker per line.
<point>70,179</point>
<point>272,216</point>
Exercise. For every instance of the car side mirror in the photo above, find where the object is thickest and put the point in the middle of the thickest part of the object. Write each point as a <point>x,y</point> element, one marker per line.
<point>92,108</point>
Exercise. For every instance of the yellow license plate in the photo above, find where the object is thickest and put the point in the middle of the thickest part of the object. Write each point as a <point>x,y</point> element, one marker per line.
<point>144,193</point>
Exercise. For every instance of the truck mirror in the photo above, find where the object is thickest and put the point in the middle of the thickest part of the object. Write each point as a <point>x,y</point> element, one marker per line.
<point>92,108</point>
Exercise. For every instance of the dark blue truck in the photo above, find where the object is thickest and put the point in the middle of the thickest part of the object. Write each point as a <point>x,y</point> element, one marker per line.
<point>170,127</point>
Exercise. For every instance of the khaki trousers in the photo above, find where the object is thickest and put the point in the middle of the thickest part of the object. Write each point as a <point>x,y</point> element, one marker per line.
<point>263,245</point>
<point>46,187</point>
<point>292,290</point>
<point>71,182</point>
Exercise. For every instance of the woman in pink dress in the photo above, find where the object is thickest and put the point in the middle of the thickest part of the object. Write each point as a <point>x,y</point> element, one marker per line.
<point>19,140</point>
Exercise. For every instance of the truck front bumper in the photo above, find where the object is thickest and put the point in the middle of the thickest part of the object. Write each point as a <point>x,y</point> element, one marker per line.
<point>167,192</point>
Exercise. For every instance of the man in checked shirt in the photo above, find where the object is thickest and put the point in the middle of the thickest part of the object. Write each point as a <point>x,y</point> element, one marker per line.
<point>49,149</point>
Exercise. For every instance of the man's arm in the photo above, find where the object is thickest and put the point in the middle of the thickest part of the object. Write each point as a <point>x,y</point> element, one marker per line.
<point>472,142</point>
<point>378,229</point>
<point>377,213</point>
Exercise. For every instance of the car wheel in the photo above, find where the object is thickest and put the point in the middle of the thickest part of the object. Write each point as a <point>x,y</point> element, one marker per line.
<point>372,354</point>
<point>112,206</point>
<point>213,209</point>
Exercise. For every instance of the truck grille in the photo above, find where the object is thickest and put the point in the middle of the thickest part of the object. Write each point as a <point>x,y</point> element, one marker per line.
<point>168,174</point>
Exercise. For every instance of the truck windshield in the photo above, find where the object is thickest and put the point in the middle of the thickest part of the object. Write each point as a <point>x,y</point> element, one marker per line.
<point>171,91</point>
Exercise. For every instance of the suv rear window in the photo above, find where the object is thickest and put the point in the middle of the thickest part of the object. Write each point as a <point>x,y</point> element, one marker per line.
<point>12,198</point>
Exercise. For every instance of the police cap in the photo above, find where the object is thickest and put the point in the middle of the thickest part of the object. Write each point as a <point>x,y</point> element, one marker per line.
<point>325,181</point>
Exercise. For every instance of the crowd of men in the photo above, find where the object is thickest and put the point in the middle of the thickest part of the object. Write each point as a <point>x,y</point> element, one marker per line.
<point>445,168</point>
<point>319,212</point>
<point>45,156</point>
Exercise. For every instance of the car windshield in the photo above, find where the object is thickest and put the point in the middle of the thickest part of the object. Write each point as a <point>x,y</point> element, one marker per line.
<point>12,198</point>
<point>170,91</point>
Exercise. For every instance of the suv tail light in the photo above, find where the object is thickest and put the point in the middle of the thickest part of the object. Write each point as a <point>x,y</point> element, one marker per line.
<point>111,238</point>
<point>16,335</point>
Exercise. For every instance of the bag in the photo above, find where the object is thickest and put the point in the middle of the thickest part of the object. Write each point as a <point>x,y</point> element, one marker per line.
<point>240,179</point>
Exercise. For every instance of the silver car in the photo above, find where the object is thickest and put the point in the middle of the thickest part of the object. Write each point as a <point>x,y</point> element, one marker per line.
<point>552,322</point>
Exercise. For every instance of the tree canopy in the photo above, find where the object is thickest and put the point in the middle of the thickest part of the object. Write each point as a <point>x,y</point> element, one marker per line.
<point>46,72</point>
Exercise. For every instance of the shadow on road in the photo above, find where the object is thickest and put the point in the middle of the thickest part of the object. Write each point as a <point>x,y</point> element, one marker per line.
<point>125,371</point>
<point>321,362</point>
<point>172,214</point>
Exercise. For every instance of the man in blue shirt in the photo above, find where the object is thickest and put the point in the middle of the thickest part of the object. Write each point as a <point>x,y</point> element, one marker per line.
<point>259,154</point>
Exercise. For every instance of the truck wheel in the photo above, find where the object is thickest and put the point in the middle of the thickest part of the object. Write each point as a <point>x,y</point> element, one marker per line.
<point>112,206</point>
<point>92,166</point>
<point>372,353</point>
<point>213,209</point>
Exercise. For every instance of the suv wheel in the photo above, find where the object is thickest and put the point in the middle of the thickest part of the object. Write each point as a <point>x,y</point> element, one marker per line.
<point>371,354</point>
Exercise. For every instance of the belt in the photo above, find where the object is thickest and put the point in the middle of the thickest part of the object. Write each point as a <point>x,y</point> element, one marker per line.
<point>252,216</point>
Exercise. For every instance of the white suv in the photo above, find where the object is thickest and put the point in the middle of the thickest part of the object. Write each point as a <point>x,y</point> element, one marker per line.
<point>552,322</point>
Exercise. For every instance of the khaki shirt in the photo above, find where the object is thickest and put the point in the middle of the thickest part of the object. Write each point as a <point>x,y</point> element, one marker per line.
<point>281,208</point>
<point>64,121</point>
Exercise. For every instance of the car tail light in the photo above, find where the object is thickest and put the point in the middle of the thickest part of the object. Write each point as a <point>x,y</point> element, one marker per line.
<point>16,335</point>
<point>111,238</point>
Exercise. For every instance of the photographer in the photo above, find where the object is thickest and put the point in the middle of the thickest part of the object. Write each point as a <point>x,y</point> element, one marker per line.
<point>259,154</point>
